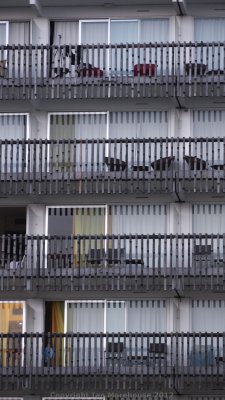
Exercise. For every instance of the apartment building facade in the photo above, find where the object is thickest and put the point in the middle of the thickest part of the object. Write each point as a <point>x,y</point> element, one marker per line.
<point>112,213</point>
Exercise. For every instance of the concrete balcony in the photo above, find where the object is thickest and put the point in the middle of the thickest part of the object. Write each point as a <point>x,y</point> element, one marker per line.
<point>166,265</point>
<point>155,70</point>
<point>189,363</point>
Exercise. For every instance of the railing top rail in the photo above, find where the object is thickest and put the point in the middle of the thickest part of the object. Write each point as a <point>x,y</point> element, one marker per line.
<point>158,236</point>
<point>112,141</point>
<point>127,335</point>
<point>112,46</point>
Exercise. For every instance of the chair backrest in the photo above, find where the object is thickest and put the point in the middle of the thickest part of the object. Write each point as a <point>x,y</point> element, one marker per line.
<point>157,348</point>
<point>115,347</point>
<point>201,249</point>
<point>96,255</point>
<point>115,255</point>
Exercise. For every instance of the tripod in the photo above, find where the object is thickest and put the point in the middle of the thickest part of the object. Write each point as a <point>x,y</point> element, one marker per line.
<point>60,70</point>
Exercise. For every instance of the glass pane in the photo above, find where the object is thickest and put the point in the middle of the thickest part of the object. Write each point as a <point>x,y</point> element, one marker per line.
<point>123,32</point>
<point>85,317</point>
<point>115,316</point>
<point>2,33</point>
<point>12,127</point>
<point>94,32</point>
<point>11,321</point>
<point>150,316</point>
<point>84,156</point>
<point>210,30</point>
<point>154,30</point>
<point>65,32</point>
<point>76,221</point>
<point>11,317</point>
<point>89,221</point>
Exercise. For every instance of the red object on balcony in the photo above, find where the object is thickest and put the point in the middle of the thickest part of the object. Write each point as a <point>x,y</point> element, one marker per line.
<point>91,71</point>
<point>144,69</point>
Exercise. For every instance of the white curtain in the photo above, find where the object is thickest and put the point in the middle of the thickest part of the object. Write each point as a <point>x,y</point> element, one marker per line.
<point>12,127</point>
<point>19,34</point>
<point>3,36</point>
<point>208,218</point>
<point>65,33</point>
<point>210,30</point>
<point>94,33</point>
<point>154,30</point>
<point>86,317</point>
<point>80,127</point>
<point>139,219</point>
<point>146,31</point>
<point>208,315</point>
<point>146,316</point>
<point>138,125</point>
<point>115,316</point>
<point>209,124</point>
<point>141,316</point>
<point>123,32</point>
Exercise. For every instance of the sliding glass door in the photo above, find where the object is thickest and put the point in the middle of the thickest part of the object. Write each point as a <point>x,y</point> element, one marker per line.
<point>13,127</point>
<point>126,32</point>
<point>80,151</point>
<point>90,222</point>
<point>112,318</point>
<point>210,30</point>
<point>12,321</point>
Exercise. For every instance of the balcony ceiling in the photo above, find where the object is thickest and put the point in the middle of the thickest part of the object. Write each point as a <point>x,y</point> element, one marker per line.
<point>106,3</point>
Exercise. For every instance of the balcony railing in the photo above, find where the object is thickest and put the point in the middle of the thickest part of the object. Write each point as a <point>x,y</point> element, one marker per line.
<point>112,262</point>
<point>111,71</point>
<point>112,166</point>
<point>184,362</point>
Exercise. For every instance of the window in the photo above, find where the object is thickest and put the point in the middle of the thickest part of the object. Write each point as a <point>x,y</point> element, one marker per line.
<point>116,316</point>
<point>122,32</point>
<point>114,32</point>
<point>92,220</point>
<point>130,316</point>
<point>12,321</point>
<point>209,124</point>
<point>77,126</point>
<point>13,127</point>
<point>87,156</point>
<point>15,33</point>
<point>4,32</point>
<point>208,218</point>
<point>208,315</point>
<point>115,219</point>
<point>210,30</point>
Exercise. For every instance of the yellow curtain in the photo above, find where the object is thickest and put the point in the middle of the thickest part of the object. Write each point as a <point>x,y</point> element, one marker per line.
<point>11,321</point>
<point>88,221</point>
<point>58,327</point>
